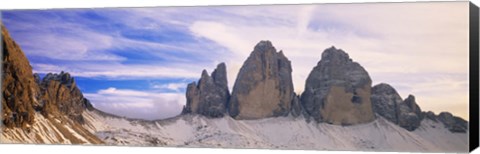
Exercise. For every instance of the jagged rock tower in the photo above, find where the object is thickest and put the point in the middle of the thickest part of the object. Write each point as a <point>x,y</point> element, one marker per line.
<point>210,96</point>
<point>263,87</point>
<point>337,90</point>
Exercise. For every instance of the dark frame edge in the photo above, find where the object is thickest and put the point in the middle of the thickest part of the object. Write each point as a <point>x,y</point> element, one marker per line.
<point>474,77</point>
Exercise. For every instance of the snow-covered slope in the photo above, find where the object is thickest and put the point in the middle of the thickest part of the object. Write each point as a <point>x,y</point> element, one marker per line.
<point>49,131</point>
<point>274,133</point>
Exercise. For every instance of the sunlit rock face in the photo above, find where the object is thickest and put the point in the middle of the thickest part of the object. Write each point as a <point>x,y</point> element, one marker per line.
<point>19,89</point>
<point>338,90</point>
<point>61,96</point>
<point>263,87</point>
<point>24,93</point>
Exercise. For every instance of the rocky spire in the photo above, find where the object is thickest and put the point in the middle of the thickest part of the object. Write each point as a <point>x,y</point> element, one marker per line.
<point>337,90</point>
<point>210,96</point>
<point>263,87</point>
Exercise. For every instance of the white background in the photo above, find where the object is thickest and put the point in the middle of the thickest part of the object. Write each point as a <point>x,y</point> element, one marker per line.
<point>47,4</point>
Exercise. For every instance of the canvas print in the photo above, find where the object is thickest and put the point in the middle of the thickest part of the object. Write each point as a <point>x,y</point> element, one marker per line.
<point>366,76</point>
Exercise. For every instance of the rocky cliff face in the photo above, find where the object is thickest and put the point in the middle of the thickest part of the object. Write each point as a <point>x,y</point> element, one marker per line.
<point>388,103</point>
<point>210,96</point>
<point>263,87</point>
<point>407,114</point>
<point>19,89</point>
<point>296,107</point>
<point>385,101</point>
<point>61,96</point>
<point>338,90</point>
<point>24,93</point>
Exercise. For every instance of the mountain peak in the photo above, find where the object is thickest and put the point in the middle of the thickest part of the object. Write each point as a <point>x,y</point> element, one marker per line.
<point>263,45</point>
<point>335,55</point>
<point>263,87</point>
<point>337,76</point>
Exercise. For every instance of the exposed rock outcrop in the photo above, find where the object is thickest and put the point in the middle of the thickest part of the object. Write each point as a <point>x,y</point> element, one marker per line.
<point>430,115</point>
<point>61,96</point>
<point>210,96</point>
<point>453,123</point>
<point>263,87</point>
<point>388,104</point>
<point>385,101</point>
<point>410,114</point>
<point>338,90</point>
<point>296,107</point>
<point>24,93</point>
<point>412,104</point>
<point>19,88</point>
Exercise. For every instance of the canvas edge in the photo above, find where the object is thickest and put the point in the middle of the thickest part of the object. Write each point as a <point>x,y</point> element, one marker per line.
<point>474,76</point>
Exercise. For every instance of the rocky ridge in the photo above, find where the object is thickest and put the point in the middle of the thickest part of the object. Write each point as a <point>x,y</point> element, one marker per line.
<point>19,90</point>
<point>388,103</point>
<point>25,97</point>
<point>337,91</point>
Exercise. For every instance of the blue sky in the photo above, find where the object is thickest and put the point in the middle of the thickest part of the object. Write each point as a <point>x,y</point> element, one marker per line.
<point>136,62</point>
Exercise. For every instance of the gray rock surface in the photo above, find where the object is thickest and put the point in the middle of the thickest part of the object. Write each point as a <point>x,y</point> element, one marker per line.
<point>388,104</point>
<point>430,115</point>
<point>453,123</point>
<point>297,108</point>
<point>410,114</point>
<point>210,96</point>
<point>412,104</point>
<point>385,101</point>
<point>263,87</point>
<point>338,90</point>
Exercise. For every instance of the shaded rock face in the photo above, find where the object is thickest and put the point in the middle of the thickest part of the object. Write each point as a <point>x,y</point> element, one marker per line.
<point>263,87</point>
<point>210,96</point>
<point>338,90</point>
<point>453,123</point>
<point>296,107</point>
<point>430,115</point>
<point>61,96</point>
<point>19,88</point>
<point>412,104</point>
<point>409,114</point>
<point>388,104</point>
<point>385,101</point>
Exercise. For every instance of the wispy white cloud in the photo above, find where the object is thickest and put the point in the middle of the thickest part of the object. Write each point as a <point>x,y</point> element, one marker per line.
<point>148,105</point>
<point>118,71</point>
<point>170,86</point>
